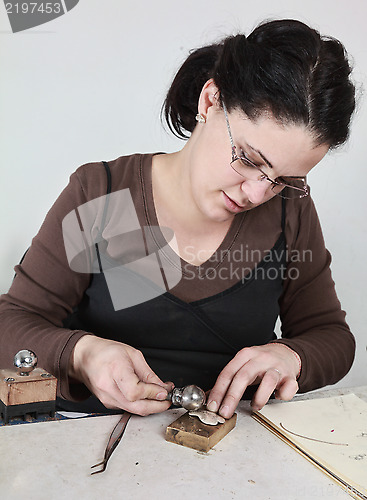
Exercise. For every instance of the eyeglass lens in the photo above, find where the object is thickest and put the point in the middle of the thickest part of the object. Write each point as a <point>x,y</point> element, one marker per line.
<point>289,187</point>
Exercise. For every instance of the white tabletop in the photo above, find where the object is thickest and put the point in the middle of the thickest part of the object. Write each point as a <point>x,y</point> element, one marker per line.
<point>52,460</point>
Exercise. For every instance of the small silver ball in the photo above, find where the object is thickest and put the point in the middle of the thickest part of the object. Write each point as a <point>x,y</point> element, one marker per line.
<point>26,361</point>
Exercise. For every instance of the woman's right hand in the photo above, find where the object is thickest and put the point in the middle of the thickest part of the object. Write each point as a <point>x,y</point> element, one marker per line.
<point>119,376</point>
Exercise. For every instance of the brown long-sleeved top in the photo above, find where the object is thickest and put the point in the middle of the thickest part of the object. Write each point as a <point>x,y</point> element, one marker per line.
<point>46,288</point>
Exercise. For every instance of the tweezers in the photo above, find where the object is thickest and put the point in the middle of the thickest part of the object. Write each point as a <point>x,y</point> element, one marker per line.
<point>113,441</point>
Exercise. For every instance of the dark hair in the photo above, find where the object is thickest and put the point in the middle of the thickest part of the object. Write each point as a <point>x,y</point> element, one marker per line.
<point>284,67</point>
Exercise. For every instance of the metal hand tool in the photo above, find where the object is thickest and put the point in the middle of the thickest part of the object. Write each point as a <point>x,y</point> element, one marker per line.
<point>113,441</point>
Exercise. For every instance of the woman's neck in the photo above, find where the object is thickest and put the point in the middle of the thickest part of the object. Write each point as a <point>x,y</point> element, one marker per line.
<point>172,195</point>
<point>196,237</point>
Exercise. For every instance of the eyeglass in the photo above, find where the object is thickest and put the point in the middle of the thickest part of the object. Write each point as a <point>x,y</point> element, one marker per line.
<point>286,187</point>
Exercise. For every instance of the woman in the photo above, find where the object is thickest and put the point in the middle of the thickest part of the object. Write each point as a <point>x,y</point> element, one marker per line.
<point>260,113</point>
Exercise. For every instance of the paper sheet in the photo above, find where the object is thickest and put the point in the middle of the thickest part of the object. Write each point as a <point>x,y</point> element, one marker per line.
<point>334,434</point>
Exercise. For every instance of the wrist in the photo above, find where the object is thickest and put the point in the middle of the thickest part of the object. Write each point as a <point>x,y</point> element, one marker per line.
<point>77,356</point>
<point>296,357</point>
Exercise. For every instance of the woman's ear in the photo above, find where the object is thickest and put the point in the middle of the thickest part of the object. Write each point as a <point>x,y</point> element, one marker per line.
<point>209,97</point>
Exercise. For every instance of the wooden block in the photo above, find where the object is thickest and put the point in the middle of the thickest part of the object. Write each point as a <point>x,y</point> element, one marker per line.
<point>191,432</point>
<point>27,389</point>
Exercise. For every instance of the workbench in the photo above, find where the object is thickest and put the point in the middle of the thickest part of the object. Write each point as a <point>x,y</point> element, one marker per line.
<point>52,460</point>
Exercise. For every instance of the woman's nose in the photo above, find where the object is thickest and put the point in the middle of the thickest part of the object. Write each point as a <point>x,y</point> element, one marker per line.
<point>256,191</point>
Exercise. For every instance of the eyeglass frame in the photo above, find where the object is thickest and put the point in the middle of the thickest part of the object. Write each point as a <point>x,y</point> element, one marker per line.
<point>305,190</point>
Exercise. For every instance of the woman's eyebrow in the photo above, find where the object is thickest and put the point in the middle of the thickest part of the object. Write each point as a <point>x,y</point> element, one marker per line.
<point>262,156</point>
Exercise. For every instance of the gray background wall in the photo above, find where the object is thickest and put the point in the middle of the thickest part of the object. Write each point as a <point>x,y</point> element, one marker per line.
<point>89,86</point>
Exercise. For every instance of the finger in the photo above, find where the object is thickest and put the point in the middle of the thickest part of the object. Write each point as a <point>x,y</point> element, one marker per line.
<point>134,389</point>
<point>268,384</point>
<point>141,407</point>
<point>130,385</point>
<point>287,389</point>
<point>148,406</point>
<point>145,373</point>
<point>243,378</point>
<point>106,389</point>
<point>218,392</point>
<point>242,357</point>
<point>169,386</point>
<point>113,398</point>
<point>225,378</point>
<point>110,395</point>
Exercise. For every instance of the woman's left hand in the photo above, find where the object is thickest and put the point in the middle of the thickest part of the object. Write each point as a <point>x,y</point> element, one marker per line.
<point>275,366</point>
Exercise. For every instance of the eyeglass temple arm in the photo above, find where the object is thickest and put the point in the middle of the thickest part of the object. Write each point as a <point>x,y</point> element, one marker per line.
<point>304,189</point>
<point>234,155</point>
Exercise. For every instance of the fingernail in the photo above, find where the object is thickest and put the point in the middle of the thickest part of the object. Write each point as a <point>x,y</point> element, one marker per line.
<point>161,396</point>
<point>224,411</point>
<point>212,406</point>
<point>256,407</point>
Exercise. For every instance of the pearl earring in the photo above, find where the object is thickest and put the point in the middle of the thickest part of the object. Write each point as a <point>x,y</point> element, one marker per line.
<point>200,118</point>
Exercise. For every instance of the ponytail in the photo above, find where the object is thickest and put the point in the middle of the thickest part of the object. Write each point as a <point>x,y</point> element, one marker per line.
<point>283,67</point>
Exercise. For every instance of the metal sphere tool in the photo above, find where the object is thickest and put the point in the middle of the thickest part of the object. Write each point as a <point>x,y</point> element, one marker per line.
<point>26,361</point>
<point>190,397</point>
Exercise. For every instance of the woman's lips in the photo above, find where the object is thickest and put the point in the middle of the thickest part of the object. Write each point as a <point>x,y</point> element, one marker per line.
<point>231,204</point>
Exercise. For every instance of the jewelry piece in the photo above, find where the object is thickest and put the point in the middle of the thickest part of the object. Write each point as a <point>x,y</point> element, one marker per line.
<point>207,417</point>
<point>277,371</point>
<point>200,118</point>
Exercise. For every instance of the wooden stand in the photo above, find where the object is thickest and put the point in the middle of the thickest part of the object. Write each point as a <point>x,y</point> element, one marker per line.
<point>191,432</point>
<point>33,393</point>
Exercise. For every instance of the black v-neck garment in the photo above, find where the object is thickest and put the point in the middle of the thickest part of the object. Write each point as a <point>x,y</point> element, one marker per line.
<point>186,343</point>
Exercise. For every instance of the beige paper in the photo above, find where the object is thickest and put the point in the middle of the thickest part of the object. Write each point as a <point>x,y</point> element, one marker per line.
<point>334,435</point>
